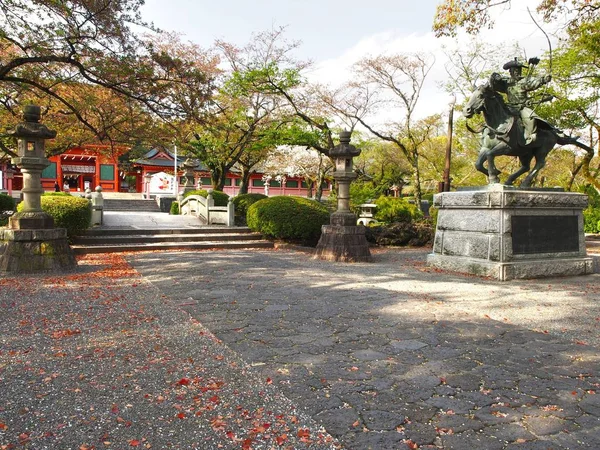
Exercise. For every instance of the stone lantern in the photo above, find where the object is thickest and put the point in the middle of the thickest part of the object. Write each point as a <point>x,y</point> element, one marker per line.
<point>342,239</point>
<point>188,172</point>
<point>31,243</point>
<point>31,160</point>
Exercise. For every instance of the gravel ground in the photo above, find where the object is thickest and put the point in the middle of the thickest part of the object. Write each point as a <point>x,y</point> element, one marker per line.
<point>100,359</point>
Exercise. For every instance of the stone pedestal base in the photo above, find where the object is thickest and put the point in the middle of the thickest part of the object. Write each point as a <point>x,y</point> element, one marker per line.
<point>507,233</point>
<point>31,221</point>
<point>29,251</point>
<point>343,243</point>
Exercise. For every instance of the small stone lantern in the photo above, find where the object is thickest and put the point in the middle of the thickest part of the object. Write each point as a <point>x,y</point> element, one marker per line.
<point>147,179</point>
<point>31,243</point>
<point>32,160</point>
<point>188,172</point>
<point>342,239</point>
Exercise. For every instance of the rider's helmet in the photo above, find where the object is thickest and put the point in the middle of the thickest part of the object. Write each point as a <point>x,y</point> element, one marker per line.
<point>515,67</point>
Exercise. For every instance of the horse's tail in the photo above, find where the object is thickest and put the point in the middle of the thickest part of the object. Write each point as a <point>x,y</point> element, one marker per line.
<point>570,140</point>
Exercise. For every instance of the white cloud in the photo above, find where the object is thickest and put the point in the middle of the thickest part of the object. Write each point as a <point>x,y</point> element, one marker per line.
<point>512,26</point>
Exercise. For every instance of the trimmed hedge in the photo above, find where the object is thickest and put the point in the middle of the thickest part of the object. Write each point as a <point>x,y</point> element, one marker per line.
<point>392,209</point>
<point>7,203</point>
<point>72,213</point>
<point>220,198</point>
<point>174,209</point>
<point>243,201</point>
<point>288,218</point>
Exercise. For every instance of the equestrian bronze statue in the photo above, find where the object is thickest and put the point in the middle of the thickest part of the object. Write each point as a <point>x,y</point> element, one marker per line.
<point>513,128</point>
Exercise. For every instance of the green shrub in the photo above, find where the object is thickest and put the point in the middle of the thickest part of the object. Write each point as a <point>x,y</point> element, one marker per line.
<point>174,209</point>
<point>57,194</point>
<point>591,220</point>
<point>288,218</point>
<point>72,213</point>
<point>220,198</point>
<point>391,209</point>
<point>7,203</point>
<point>243,201</point>
<point>417,234</point>
<point>593,196</point>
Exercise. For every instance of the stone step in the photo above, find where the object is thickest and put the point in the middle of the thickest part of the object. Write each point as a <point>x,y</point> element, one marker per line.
<point>107,240</point>
<point>149,238</point>
<point>113,231</point>
<point>131,205</point>
<point>108,248</point>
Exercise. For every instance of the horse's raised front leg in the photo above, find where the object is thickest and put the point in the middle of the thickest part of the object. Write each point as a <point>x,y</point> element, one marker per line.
<point>480,159</point>
<point>500,148</point>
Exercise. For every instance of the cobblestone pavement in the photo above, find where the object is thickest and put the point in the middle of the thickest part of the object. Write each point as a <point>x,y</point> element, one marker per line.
<point>392,354</point>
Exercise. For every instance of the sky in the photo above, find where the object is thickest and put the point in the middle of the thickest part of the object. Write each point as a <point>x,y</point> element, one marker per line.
<point>336,33</point>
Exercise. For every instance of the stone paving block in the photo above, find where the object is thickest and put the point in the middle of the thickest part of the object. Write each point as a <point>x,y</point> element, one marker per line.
<point>471,440</point>
<point>382,420</point>
<point>545,425</point>
<point>374,440</point>
<point>419,433</point>
<point>511,432</point>
<point>457,423</point>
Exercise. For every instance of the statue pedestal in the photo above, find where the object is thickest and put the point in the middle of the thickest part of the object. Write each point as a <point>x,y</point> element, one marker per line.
<point>35,250</point>
<point>343,240</point>
<point>508,233</point>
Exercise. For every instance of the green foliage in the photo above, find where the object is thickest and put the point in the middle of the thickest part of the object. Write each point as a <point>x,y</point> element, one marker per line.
<point>288,218</point>
<point>7,203</point>
<point>391,209</point>
<point>591,220</point>
<point>362,193</point>
<point>593,196</point>
<point>57,194</point>
<point>243,201</point>
<point>417,234</point>
<point>220,198</point>
<point>72,213</point>
<point>174,209</point>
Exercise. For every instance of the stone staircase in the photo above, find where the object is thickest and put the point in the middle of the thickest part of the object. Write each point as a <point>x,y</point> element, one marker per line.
<point>109,240</point>
<point>130,204</point>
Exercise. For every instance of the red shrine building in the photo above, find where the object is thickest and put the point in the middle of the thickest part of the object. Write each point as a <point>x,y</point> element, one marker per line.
<point>90,166</point>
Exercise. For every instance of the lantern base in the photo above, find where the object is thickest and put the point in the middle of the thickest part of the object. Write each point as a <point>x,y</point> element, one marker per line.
<point>38,220</point>
<point>343,243</point>
<point>30,251</point>
<point>343,219</point>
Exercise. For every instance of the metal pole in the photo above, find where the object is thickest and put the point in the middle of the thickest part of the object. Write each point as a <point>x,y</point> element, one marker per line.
<point>446,183</point>
<point>175,173</point>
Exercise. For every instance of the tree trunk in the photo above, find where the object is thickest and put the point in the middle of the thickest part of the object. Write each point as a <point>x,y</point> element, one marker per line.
<point>310,184</point>
<point>245,181</point>
<point>319,187</point>
<point>417,181</point>
<point>217,178</point>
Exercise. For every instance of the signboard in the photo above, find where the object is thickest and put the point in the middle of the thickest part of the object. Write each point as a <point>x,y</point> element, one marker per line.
<point>544,234</point>
<point>161,183</point>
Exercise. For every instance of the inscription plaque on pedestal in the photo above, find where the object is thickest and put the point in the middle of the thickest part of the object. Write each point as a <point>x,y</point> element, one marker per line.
<point>544,234</point>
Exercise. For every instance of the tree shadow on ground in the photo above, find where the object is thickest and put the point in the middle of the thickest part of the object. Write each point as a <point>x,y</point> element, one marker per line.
<point>393,352</point>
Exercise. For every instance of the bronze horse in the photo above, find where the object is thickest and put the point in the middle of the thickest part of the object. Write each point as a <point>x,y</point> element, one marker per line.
<point>502,135</point>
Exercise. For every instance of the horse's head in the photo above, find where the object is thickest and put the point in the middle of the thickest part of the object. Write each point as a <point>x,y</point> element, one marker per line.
<point>477,101</point>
